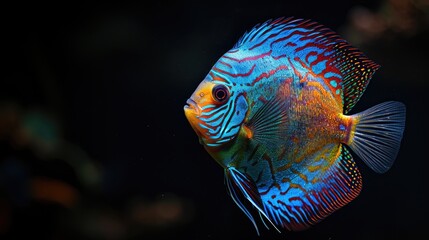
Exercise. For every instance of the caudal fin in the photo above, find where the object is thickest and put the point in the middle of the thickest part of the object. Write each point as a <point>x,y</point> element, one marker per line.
<point>378,134</point>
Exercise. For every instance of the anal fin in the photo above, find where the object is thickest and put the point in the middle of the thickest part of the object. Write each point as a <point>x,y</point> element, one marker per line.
<point>296,206</point>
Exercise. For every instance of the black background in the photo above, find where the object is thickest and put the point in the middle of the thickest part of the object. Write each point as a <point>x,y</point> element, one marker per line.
<point>115,78</point>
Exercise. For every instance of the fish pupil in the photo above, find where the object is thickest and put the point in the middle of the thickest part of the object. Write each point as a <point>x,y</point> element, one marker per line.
<point>220,93</point>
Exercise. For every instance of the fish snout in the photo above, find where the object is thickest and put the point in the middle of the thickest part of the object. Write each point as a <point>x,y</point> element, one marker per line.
<point>192,106</point>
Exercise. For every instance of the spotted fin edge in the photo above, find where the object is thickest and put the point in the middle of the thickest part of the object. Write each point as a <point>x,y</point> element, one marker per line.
<point>296,211</point>
<point>239,185</point>
<point>356,69</point>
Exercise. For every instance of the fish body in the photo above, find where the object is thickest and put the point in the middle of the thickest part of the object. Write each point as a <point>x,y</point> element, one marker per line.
<point>272,112</point>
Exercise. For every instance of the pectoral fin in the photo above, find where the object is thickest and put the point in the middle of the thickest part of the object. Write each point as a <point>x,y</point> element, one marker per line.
<point>267,123</point>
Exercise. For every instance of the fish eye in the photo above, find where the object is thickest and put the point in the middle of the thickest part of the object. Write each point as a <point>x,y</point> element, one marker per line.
<point>220,93</point>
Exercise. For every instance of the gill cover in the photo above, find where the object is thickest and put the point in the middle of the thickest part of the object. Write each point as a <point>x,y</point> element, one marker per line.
<point>220,112</point>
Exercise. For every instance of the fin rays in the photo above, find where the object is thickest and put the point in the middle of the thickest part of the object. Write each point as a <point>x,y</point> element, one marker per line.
<point>302,209</point>
<point>266,122</point>
<point>237,183</point>
<point>378,135</point>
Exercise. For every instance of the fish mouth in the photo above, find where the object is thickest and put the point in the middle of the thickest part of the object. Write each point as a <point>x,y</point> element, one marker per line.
<point>192,111</point>
<point>193,106</point>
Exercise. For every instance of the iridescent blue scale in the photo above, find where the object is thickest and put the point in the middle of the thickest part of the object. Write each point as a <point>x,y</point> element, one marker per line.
<point>281,132</point>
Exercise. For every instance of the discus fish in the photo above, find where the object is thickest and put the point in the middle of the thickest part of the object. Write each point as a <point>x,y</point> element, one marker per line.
<point>273,112</point>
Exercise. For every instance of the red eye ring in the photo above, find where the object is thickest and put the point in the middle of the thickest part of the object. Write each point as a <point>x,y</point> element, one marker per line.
<point>220,93</point>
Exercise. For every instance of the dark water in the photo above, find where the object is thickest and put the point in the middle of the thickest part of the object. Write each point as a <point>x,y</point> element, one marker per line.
<point>94,143</point>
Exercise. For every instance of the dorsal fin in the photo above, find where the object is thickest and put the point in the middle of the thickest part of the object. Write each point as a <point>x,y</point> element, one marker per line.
<point>262,28</point>
<point>356,70</point>
<point>346,67</point>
